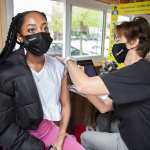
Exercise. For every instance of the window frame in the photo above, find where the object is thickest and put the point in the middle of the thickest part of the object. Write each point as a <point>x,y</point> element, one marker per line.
<point>95,5</point>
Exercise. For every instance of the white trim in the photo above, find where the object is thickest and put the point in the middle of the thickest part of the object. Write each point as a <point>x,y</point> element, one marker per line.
<point>67,29</point>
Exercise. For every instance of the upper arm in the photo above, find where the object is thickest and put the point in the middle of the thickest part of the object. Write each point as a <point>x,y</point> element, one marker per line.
<point>92,86</point>
<point>129,85</point>
<point>64,96</point>
<point>62,77</point>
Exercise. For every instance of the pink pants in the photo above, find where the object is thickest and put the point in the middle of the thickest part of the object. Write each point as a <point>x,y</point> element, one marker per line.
<point>48,131</point>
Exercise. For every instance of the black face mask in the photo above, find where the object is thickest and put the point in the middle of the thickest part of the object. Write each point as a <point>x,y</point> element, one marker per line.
<point>38,43</point>
<point>119,51</point>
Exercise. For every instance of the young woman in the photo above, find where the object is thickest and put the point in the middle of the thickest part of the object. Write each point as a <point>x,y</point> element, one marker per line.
<point>128,90</point>
<point>33,89</point>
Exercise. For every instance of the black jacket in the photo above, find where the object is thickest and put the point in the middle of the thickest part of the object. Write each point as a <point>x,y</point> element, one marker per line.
<point>20,106</point>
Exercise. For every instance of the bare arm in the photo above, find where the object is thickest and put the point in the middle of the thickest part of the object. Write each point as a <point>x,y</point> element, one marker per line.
<point>102,105</point>
<point>85,84</point>
<point>65,103</point>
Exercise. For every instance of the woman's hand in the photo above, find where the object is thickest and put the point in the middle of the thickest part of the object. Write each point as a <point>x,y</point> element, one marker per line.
<point>56,148</point>
<point>59,142</point>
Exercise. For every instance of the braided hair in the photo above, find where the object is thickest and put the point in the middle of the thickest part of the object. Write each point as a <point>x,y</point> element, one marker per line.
<point>14,29</point>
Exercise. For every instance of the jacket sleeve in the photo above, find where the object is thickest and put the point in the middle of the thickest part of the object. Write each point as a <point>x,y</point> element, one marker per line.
<point>11,135</point>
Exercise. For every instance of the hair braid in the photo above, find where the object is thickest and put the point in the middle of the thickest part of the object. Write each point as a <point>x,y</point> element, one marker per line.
<point>12,36</point>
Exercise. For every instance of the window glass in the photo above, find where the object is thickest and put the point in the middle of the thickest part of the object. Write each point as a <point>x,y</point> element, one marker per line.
<point>86,35</point>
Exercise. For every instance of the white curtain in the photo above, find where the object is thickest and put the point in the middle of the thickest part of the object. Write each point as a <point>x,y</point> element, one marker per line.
<point>2,23</point>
